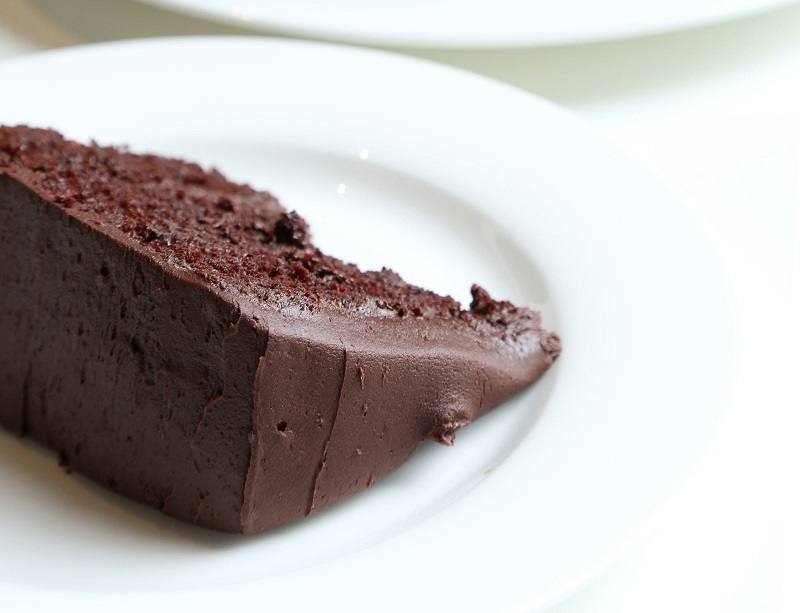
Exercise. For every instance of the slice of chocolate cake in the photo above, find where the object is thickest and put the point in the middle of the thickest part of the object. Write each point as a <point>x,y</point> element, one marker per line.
<point>179,339</point>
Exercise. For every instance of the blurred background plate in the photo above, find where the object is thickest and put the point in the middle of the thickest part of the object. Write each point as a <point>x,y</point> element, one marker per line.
<point>471,23</point>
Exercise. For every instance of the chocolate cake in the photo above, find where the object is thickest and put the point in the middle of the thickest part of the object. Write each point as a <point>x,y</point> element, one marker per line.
<point>178,338</point>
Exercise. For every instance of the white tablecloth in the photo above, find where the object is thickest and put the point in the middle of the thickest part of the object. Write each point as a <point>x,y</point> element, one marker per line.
<point>715,111</point>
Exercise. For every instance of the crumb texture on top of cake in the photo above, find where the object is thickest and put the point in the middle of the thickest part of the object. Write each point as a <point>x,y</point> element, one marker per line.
<point>229,234</point>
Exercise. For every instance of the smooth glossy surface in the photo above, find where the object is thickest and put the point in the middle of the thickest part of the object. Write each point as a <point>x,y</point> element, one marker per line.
<point>471,23</point>
<point>470,181</point>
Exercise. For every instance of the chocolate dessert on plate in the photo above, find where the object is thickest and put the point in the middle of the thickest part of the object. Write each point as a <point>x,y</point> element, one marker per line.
<point>178,338</point>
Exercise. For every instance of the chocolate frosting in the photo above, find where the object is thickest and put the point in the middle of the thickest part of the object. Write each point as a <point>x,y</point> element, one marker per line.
<point>179,339</point>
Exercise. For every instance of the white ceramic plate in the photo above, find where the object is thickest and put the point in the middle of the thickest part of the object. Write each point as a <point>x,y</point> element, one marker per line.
<point>471,23</point>
<point>448,178</point>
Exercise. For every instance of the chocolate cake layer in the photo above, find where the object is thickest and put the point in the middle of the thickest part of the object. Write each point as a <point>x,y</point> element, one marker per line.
<point>179,339</point>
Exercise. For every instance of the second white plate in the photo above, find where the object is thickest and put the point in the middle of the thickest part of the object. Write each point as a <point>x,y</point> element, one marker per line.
<point>472,23</point>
